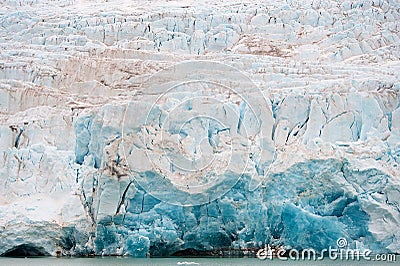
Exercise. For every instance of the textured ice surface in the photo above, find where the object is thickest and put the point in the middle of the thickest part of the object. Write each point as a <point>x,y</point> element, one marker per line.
<point>71,103</point>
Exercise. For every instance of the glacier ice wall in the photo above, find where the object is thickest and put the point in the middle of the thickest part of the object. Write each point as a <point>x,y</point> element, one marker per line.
<point>329,72</point>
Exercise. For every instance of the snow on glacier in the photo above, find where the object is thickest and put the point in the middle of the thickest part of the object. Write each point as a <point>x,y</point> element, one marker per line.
<point>328,71</point>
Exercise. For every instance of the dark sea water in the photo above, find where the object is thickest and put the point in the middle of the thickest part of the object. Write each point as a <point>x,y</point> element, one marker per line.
<point>113,261</point>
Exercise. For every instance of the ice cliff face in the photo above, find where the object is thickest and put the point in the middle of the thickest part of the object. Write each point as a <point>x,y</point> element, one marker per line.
<point>293,140</point>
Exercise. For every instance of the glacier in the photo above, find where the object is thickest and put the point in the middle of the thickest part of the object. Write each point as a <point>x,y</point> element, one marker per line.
<point>107,147</point>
